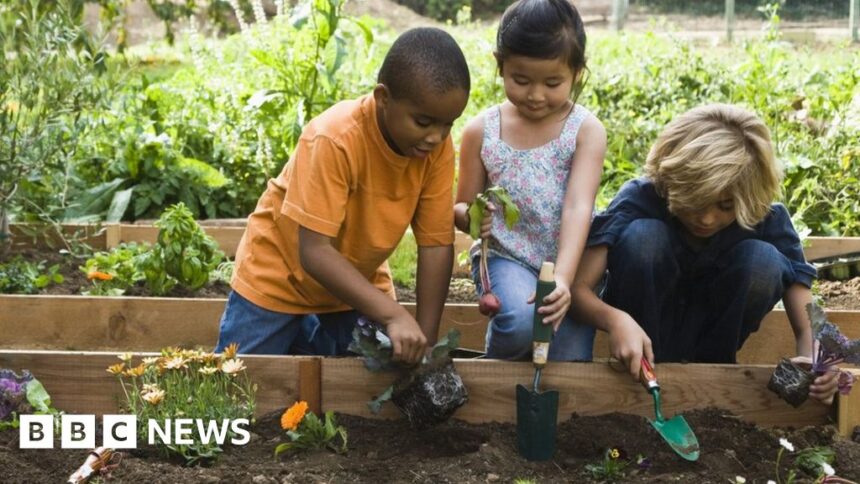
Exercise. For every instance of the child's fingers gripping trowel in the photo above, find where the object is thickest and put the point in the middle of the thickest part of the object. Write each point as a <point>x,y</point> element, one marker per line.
<point>675,431</point>
<point>537,412</point>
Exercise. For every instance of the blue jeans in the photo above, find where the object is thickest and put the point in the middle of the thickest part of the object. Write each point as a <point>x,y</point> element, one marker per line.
<point>697,306</point>
<point>509,335</point>
<point>263,332</point>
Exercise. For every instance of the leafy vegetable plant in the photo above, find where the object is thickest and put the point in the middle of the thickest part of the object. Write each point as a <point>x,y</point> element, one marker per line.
<point>489,303</point>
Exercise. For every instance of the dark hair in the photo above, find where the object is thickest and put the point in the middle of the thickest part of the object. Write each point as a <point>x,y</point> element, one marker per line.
<point>427,58</point>
<point>545,29</point>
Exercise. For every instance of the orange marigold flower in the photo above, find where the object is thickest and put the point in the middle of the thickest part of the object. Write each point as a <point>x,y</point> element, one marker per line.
<point>101,276</point>
<point>291,418</point>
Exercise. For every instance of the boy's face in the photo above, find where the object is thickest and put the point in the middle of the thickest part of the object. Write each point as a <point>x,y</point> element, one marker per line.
<point>705,223</point>
<point>415,127</point>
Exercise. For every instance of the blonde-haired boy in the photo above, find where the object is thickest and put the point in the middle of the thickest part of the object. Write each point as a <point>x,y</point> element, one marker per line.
<point>696,253</point>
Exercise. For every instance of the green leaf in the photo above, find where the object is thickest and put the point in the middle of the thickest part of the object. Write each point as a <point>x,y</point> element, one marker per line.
<point>476,215</point>
<point>38,396</point>
<point>118,205</point>
<point>375,405</point>
<point>512,212</point>
<point>203,172</point>
<point>365,29</point>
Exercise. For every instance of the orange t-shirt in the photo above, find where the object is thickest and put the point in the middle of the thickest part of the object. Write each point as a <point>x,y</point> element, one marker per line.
<point>345,182</point>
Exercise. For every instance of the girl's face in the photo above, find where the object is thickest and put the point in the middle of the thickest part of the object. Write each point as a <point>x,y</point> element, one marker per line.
<point>706,222</point>
<point>537,87</point>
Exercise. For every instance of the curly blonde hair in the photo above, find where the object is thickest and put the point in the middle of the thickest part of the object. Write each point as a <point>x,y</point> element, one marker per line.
<point>714,152</point>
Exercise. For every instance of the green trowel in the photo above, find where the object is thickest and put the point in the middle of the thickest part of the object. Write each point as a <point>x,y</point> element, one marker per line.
<point>675,431</point>
<point>537,412</point>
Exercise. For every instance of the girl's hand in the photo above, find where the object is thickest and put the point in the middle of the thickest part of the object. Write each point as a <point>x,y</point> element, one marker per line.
<point>487,222</point>
<point>824,387</point>
<point>628,343</point>
<point>555,305</point>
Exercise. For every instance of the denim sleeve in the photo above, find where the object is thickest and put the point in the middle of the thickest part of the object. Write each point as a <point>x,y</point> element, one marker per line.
<point>635,200</point>
<point>779,231</point>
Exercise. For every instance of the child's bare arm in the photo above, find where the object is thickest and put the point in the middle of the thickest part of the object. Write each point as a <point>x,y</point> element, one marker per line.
<point>587,166</point>
<point>472,174</point>
<point>325,264</point>
<point>628,342</point>
<point>795,299</point>
<point>433,278</point>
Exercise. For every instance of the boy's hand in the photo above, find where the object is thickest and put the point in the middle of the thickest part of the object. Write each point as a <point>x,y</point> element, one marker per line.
<point>628,343</point>
<point>555,305</point>
<point>487,222</point>
<point>407,340</point>
<point>824,387</point>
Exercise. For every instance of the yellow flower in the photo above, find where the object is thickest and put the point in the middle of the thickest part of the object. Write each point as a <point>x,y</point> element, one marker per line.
<point>154,397</point>
<point>126,357</point>
<point>175,363</point>
<point>208,370</point>
<point>614,453</point>
<point>230,351</point>
<point>293,416</point>
<point>136,371</point>
<point>208,358</point>
<point>116,369</point>
<point>231,367</point>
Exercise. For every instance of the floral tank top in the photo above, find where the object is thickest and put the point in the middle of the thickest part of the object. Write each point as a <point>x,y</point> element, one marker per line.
<point>537,181</point>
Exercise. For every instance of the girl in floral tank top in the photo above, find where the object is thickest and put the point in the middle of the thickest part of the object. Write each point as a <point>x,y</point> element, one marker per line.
<point>547,152</point>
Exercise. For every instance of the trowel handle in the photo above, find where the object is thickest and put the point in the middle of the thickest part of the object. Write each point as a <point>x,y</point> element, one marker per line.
<point>647,376</point>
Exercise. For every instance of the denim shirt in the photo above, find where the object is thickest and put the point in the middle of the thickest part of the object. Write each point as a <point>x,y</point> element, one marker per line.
<point>638,199</point>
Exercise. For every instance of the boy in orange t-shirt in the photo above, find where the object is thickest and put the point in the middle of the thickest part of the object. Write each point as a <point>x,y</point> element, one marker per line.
<point>313,257</point>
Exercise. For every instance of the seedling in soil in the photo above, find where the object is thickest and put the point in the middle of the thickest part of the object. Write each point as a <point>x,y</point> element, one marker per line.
<point>611,467</point>
<point>427,394</point>
<point>21,395</point>
<point>489,303</point>
<point>791,380</point>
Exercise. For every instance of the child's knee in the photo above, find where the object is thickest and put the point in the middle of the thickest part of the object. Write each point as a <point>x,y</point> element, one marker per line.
<point>643,243</point>
<point>760,265</point>
<point>510,332</point>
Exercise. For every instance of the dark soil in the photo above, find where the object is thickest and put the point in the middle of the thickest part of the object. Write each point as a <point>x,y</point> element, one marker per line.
<point>457,452</point>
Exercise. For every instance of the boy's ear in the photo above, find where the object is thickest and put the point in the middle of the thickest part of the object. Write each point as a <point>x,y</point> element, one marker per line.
<point>381,95</point>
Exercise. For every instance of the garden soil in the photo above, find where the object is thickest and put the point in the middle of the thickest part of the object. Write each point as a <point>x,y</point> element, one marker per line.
<point>457,452</point>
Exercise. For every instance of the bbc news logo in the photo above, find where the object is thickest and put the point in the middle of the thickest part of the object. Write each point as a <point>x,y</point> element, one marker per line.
<point>120,431</point>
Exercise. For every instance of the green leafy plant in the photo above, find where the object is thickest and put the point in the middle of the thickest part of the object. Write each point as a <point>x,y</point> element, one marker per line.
<point>20,395</point>
<point>188,384</point>
<point>113,273</point>
<point>307,431</point>
<point>489,303</point>
<point>19,276</point>
<point>52,79</point>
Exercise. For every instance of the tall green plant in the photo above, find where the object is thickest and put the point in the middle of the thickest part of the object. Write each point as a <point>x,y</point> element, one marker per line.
<point>306,67</point>
<point>51,79</point>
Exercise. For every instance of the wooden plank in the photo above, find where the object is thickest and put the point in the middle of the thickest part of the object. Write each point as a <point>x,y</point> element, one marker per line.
<point>149,324</point>
<point>78,382</point>
<point>310,377</point>
<point>848,409</point>
<point>585,388</point>
<point>104,323</point>
<point>820,247</point>
<point>92,235</point>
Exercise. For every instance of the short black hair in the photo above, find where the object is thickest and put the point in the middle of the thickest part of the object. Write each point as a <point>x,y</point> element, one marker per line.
<point>427,58</point>
<point>544,29</point>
